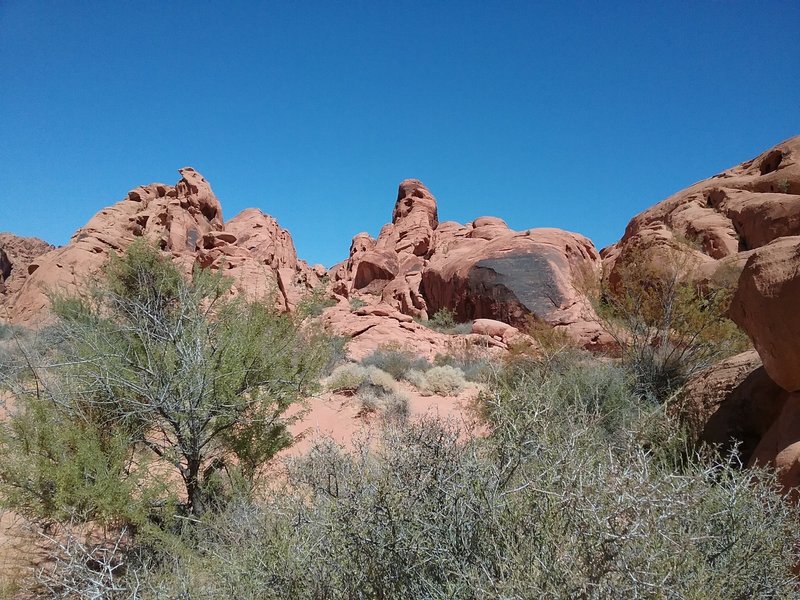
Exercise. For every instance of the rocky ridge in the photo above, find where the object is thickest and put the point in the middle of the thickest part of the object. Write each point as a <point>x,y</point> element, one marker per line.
<point>185,220</point>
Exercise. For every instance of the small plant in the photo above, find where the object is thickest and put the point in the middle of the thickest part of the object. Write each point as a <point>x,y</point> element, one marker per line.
<point>315,302</point>
<point>352,378</point>
<point>472,360</point>
<point>395,407</point>
<point>395,361</point>
<point>417,379</point>
<point>445,380</point>
<point>444,318</point>
<point>346,378</point>
<point>444,321</point>
<point>548,339</point>
<point>783,186</point>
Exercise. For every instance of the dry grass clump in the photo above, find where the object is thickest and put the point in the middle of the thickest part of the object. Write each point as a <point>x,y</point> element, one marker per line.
<point>396,361</point>
<point>352,377</point>
<point>442,381</point>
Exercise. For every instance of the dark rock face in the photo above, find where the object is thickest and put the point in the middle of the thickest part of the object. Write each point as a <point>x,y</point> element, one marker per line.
<point>5,266</point>
<point>483,269</point>
<point>507,288</point>
<point>530,278</point>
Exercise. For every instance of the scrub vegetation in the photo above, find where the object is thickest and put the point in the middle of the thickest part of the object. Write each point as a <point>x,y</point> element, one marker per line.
<point>148,413</point>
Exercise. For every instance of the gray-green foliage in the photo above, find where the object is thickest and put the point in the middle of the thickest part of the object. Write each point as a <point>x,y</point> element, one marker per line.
<point>444,320</point>
<point>568,497</point>
<point>154,373</point>
<point>396,362</point>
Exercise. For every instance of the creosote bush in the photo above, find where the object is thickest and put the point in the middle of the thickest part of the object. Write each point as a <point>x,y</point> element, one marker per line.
<point>444,321</point>
<point>396,361</point>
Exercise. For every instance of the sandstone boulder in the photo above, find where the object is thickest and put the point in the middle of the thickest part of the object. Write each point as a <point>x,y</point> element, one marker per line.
<point>733,402</point>
<point>766,307</point>
<point>735,211</point>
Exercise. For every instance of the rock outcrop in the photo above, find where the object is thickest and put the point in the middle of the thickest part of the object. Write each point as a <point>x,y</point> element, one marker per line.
<point>482,270</point>
<point>765,306</point>
<point>16,254</point>
<point>733,402</point>
<point>716,223</point>
<point>185,221</point>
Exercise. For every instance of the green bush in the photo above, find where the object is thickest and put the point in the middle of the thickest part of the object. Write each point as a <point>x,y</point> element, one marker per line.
<point>444,321</point>
<point>152,367</point>
<point>473,363</point>
<point>396,362</point>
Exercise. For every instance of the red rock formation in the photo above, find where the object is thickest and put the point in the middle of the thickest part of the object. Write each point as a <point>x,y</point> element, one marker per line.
<point>479,270</point>
<point>185,221</point>
<point>16,254</point>
<point>765,306</point>
<point>735,401</point>
<point>716,220</point>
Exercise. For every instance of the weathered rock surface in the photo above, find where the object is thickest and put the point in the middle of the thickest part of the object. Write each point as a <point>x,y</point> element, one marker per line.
<point>714,221</point>
<point>780,446</point>
<point>16,254</point>
<point>735,401</point>
<point>766,306</point>
<point>418,266</point>
<point>185,221</point>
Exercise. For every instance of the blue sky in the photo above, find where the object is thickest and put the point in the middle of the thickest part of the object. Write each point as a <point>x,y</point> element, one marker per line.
<point>553,114</point>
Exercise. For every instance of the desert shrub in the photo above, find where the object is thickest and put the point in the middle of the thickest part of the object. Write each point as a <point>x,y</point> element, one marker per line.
<point>356,303</point>
<point>417,379</point>
<point>316,301</point>
<point>393,405</point>
<point>445,380</point>
<point>570,494</point>
<point>472,362</point>
<point>346,378</point>
<point>353,377</point>
<point>444,321</point>
<point>152,367</point>
<point>380,380</point>
<point>548,339</point>
<point>545,507</point>
<point>395,361</point>
<point>668,326</point>
<point>8,331</point>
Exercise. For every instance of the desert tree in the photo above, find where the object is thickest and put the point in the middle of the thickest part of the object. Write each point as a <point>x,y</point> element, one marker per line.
<point>155,378</point>
<point>669,321</point>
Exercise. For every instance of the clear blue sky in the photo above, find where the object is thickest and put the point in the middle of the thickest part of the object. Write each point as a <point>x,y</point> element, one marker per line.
<point>573,115</point>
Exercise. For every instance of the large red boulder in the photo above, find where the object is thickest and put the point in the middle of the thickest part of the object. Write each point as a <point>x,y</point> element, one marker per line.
<point>732,402</point>
<point>766,307</point>
<point>716,220</point>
